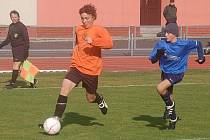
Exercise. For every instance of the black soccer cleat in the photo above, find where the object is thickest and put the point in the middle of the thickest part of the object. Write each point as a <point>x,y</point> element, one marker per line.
<point>172,123</point>
<point>34,85</point>
<point>103,106</point>
<point>40,126</point>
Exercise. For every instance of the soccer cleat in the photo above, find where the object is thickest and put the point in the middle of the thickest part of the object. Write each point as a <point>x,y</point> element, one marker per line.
<point>172,123</point>
<point>11,85</point>
<point>41,125</point>
<point>166,114</point>
<point>103,106</point>
<point>34,85</point>
<point>171,110</point>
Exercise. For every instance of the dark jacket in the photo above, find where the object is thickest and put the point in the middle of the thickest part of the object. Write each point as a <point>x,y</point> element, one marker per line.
<point>170,13</point>
<point>17,36</point>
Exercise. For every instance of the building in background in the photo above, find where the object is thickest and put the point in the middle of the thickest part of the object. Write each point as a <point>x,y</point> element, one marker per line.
<point>112,12</point>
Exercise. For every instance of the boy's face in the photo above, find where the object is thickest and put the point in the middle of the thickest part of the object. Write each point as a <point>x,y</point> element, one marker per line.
<point>87,20</point>
<point>170,37</point>
<point>14,18</point>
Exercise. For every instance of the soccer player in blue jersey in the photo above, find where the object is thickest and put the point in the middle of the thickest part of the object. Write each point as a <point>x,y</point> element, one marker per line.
<point>172,54</point>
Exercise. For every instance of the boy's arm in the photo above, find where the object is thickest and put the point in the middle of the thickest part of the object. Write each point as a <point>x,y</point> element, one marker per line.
<point>156,54</point>
<point>201,57</point>
<point>194,44</point>
<point>104,40</point>
<point>6,41</point>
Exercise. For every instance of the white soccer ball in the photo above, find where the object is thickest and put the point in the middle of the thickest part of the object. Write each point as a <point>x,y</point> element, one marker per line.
<point>52,126</point>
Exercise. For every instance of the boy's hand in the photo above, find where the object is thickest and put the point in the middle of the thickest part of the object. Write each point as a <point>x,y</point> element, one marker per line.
<point>201,61</point>
<point>206,51</point>
<point>88,40</point>
<point>160,52</point>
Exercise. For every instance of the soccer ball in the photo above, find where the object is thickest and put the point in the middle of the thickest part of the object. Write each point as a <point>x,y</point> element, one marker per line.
<point>52,126</point>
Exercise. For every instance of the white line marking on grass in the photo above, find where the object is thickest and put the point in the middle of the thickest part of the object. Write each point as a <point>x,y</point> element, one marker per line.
<point>117,86</point>
<point>9,71</point>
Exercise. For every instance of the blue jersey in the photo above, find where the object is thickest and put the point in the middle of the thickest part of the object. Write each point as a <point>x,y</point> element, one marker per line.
<point>176,54</point>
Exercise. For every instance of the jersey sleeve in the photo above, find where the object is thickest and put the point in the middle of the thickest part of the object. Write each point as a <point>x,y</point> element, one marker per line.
<point>154,51</point>
<point>7,40</point>
<point>194,44</point>
<point>103,40</point>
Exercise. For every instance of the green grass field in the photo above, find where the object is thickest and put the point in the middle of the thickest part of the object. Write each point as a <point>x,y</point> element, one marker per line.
<point>135,109</point>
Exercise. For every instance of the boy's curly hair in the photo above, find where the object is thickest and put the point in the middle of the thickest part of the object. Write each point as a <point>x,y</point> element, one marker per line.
<point>89,9</point>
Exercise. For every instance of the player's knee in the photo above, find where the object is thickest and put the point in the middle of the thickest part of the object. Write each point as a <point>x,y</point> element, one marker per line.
<point>64,91</point>
<point>160,89</point>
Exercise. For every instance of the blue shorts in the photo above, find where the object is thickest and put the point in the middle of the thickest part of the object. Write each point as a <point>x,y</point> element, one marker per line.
<point>172,78</point>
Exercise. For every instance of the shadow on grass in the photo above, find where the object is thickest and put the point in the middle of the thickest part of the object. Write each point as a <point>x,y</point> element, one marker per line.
<point>22,84</point>
<point>76,118</point>
<point>44,133</point>
<point>18,84</point>
<point>157,122</point>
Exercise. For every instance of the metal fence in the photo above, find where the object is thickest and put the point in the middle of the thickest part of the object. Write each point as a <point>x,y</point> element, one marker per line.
<point>128,40</point>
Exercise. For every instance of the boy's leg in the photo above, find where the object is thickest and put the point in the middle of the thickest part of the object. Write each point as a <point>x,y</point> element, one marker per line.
<point>90,83</point>
<point>14,76</point>
<point>170,111</point>
<point>163,92</point>
<point>169,89</point>
<point>170,105</point>
<point>71,80</point>
<point>18,59</point>
<point>16,66</point>
<point>67,86</point>
<point>99,99</point>
<point>60,106</point>
<point>167,97</point>
<point>101,103</point>
<point>166,112</point>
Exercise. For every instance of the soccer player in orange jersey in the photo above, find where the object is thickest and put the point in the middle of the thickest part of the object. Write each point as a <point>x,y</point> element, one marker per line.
<point>86,63</point>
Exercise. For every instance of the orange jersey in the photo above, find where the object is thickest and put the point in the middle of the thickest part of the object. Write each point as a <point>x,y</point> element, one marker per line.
<point>87,57</point>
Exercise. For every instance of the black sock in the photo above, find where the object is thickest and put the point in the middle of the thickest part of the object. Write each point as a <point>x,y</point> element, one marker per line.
<point>14,75</point>
<point>98,98</point>
<point>166,98</point>
<point>60,106</point>
<point>169,103</point>
<point>170,89</point>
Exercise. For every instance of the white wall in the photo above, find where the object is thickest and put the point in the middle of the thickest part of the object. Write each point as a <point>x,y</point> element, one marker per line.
<point>26,8</point>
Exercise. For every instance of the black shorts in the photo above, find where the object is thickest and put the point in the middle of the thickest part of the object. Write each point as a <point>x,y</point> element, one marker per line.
<point>20,53</point>
<point>172,78</point>
<point>89,82</point>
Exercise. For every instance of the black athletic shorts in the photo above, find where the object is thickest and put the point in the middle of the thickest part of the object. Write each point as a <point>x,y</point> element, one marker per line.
<point>89,82</point>
<point>172,78</point>
<point>20,53</point>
